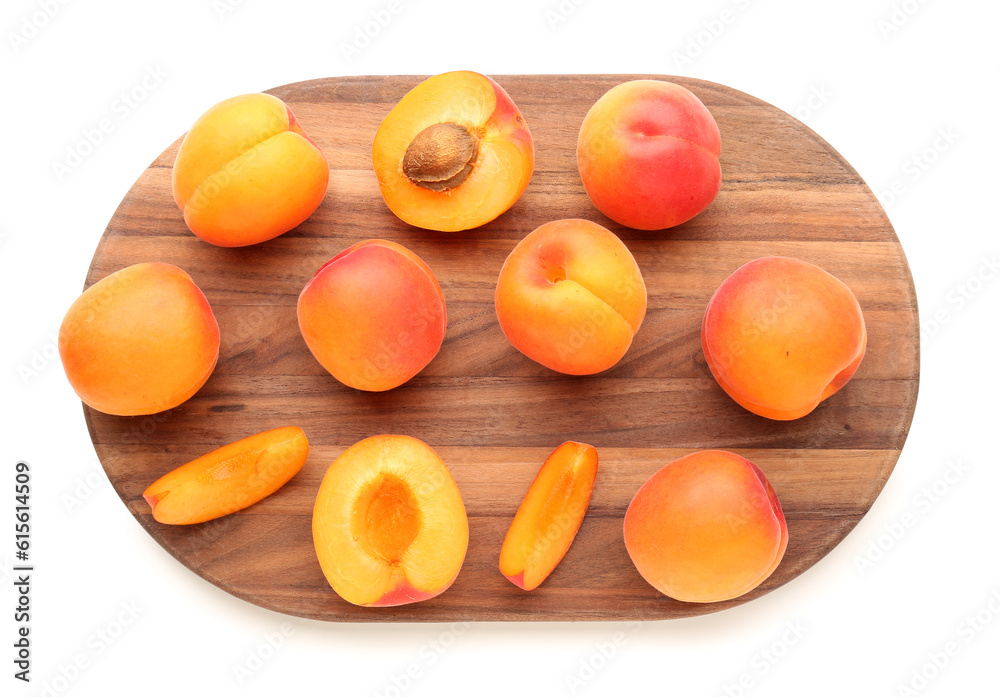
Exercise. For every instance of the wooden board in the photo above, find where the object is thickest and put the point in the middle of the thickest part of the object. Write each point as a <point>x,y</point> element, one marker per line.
<point>492,414</point>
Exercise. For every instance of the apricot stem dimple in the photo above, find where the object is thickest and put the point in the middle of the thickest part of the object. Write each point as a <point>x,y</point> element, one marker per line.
<point>554,271</point>
<point>441,156</point>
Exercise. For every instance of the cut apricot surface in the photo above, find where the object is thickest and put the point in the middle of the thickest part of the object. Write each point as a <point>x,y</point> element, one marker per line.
<point>549,516</point>
<point>453,154</point>
<point>389,524</point>
<point>228,479</point>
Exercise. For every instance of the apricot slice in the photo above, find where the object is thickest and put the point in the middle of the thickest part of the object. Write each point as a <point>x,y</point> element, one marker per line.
<point>780,335</point>
<point>571,297</point>
<point>373,316</point>
<point>246,172</point>
<point>706,527</point>
<point>453,154</point>
<point>550,515</point>
<point>228,479</point>
<point>139,341</point>
<point>389,524</point>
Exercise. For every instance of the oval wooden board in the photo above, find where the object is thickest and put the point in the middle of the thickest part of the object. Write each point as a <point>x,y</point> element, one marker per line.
<point>492,414</point>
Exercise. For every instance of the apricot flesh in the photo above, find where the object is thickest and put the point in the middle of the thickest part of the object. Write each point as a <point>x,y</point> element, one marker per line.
<point>648,154</point>
<point>139,341</point>
<point>228,479</point>
<point>780,335</point>
<point>550,515</point>
<point>706,527</point>
<point>453,154</point>
<point>374,315</point>
<point>389,524</point>
<point>571,297</point>
<point>246,172</point>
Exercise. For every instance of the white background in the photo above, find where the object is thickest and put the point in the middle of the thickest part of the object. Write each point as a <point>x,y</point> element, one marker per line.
<point>892,74</point>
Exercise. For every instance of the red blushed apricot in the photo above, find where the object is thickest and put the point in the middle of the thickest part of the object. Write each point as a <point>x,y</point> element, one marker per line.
<point>648,154</point>
<point>228,479</point>
<point>140,341</point>
<point>571,297</point>
<point>780,335</point>
<point>389,524</point>
<point>549,516</point>
<point>453,154</point>
<point>706,527</point>
<point>246,172</point>
<point>373,316</point>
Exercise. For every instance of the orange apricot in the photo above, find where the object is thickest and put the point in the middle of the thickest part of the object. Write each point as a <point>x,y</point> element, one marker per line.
<point>228,479</point>
<point>648,154</point>
<point>453,154</point>
<point>780,335</point>
<point>373,316</point>
<point>140,341</point>
<point>571,297</point>
<point>550,515</point>
<point>389,524</point>
<point>246,172</point>
<point>706,527</point>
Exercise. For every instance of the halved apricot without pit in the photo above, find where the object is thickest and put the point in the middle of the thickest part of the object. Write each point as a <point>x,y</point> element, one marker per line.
<point>389,524</point>
<point>550,515</point>
<point>228,479</point>
<point>453,154</point>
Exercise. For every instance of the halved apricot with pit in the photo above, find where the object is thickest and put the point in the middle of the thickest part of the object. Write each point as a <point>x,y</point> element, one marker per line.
<point>453,154</point>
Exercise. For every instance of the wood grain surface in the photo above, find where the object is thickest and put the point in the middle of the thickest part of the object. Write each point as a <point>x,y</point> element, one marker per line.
<point>492,414</point>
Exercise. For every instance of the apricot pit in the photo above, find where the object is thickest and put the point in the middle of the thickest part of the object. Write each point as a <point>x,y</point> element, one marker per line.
<point>441,157</point>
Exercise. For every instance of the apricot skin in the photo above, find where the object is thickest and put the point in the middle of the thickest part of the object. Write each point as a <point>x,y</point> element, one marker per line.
<point>504,152</point>
<point>229,478</point>
<point>550,515</point>
<point>705,528</point>
<point>571,297</point>
<point>140,341</point>
<point>246,172</point>
<point>780,335</point>
<point>389,525</point>
<point>648,155</point>
<point>374,315</point>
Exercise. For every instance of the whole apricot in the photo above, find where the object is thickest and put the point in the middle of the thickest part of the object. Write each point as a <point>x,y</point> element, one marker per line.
<point>246,172</point>
<point>571,297</point>
<point>373,316</point>
<point>140,341</point>
<point>780,335</point>
<point>706,527</point>
<point>648,154</point>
